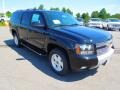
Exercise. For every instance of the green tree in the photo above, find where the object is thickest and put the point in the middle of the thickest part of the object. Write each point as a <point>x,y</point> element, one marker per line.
<point>69,11</point>
<point>1,14</point>
<point>64,9</point>
<point>103,14</point>
<point>95,14</point>
<point>8,14</point>
<point>108,15</point>
<point>78,15</point>
<point>86,17</point>
<point>41,7</point>
<point>116,16</point>
<point>56,9</point>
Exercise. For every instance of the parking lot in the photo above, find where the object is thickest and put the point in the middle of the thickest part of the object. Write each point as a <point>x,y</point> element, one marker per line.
<point>21,69</point>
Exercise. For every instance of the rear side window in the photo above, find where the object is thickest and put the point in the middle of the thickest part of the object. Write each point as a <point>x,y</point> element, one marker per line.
<point>36,19</point>
<point>26,18</point>
<point>16,18</point>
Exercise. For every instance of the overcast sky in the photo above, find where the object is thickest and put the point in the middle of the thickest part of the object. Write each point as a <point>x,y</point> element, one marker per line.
<point>112,6</point>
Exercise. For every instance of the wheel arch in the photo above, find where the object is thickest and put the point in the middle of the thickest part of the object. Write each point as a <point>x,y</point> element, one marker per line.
<point>52,46</point>
<point>13,31</point>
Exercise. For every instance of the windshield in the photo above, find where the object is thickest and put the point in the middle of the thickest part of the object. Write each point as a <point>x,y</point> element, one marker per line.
<point>114,20</point>
<point>80,19</point>
<point>98,20</point>
<point>60,19</point>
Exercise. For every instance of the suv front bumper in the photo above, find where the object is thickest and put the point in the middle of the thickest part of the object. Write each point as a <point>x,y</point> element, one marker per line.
<point>78,62</point>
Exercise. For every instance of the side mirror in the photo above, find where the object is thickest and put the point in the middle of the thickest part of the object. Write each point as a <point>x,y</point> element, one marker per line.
<point>37,24</point>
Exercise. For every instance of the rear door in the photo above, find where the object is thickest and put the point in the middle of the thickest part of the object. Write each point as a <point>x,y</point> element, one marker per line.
<point>24,26</point>
<point>36,34</point>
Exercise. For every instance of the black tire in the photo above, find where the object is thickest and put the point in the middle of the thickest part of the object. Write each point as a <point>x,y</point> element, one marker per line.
<point>108,28</point>
<point>18,42</point>
<point>64,60</point>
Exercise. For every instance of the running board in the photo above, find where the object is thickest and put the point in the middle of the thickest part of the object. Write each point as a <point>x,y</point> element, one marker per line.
<point>33,50</point>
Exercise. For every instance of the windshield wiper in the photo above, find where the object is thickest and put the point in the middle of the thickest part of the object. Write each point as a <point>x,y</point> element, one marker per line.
<point>65,25</point>
<point>74,24</point>
<point>60,25</point>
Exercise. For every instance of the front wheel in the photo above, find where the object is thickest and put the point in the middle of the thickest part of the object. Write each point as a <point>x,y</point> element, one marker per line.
<point>58,61</point>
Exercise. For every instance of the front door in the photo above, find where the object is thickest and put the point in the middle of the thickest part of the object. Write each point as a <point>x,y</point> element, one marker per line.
<point>36,35</point>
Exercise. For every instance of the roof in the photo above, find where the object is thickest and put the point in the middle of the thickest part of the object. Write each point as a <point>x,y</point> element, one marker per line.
<point>33,10</point>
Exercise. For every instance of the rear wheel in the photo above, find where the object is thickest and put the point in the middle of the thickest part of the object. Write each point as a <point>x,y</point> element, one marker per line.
<point>16,40</point>
<point>58,61</point>
<point>108,28</point>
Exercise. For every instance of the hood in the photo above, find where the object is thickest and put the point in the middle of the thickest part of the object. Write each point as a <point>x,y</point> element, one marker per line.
<point>92,35</point>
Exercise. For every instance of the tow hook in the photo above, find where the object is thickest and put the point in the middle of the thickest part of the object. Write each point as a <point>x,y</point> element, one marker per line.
<point>104,63</point>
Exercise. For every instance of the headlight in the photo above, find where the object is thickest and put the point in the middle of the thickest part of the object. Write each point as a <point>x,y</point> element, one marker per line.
<point>84,49</point>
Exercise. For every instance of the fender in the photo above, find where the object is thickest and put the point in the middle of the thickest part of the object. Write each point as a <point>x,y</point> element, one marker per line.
<point>62,42</point>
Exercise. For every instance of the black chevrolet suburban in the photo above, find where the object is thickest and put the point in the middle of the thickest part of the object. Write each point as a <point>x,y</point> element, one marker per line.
<point>59,35</point>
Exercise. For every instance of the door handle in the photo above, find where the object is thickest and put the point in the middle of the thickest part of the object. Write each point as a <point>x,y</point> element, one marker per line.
<point>30,30</point>
<point>46,33</point>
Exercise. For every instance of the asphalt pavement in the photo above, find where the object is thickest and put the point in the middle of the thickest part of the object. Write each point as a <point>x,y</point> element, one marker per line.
<point>21,69</point>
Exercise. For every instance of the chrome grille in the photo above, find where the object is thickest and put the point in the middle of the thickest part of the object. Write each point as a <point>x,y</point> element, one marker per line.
<point>103,47</point>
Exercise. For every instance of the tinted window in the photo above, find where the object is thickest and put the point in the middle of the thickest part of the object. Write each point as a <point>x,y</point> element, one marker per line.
<point>95,20</point>
<point>16,17</point>
<point>36,19</point>
<point>80,19</point>
<point>114,20</point>
<point>26,18</point>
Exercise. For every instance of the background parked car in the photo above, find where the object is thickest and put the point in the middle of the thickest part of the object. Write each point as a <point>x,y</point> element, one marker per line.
<point>3,18</point>
<point>81,21</point>
<point>113,24</point>
<point>104,22</point>
<point>95,22</point>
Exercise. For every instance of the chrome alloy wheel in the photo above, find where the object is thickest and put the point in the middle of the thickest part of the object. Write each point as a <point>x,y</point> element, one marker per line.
<point>57,62</point>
